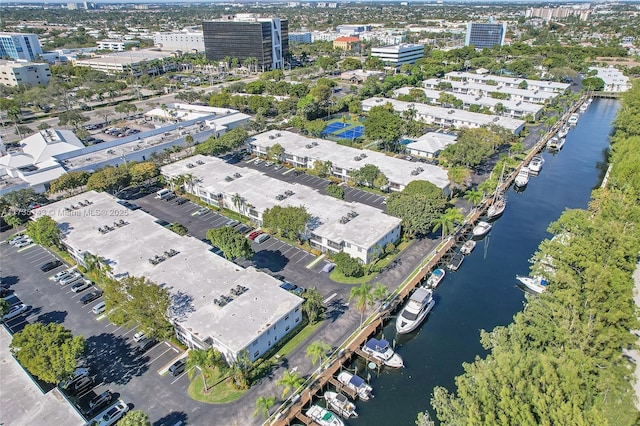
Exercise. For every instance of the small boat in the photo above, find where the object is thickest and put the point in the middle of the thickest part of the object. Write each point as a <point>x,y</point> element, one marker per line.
<point>381,350</point>
<point>357,384</point>
<point>341,404</point>
<point>535,284</point>
<point>323,417</point>
<point>420,304</point>
<point>589,100</point>
<point>468,247</point>
<point>435,278</point>
<point>482,228</point>
<point>455,262</point>
<point>573,119</point>
<point>556,143</point>
<point>522,179</point>
<point>535,165</point>
<point>497,207</point>
<point>583,107</point>
<point>563,132</point>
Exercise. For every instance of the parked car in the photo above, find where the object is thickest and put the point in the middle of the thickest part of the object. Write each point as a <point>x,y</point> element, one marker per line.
<point>328,267</point>
<point>90,297</point>
<point>202,211</point>
<point>15,310</point>
<point>146,344</point>
<point>254,234</point>
<point>177,367</point>
<point>231,222</point>
<point>70,278</point>
<point>80,386</point>
<point>49,266</point>
<point>298,291</point>
<point>16,239</point>
<point>82,285</point>
<point>140,335</point>
<point>262,238</point>
<point>23,243</point>
<point>111,415</point>
<point>60,275</point>
<point>99,308</point>
<point>180,201</point>
<point>77,375</point>
<point>100,401</point>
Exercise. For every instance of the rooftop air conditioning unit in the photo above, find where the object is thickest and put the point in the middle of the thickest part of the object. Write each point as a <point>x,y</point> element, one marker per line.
<point>495,119</point>
<point>278,135</point>
<point>271,137</point>
<point>452,111</point>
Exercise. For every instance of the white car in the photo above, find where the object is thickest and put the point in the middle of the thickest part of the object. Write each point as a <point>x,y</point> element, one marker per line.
<point>15,311</point>
<point>139,336</point>
<point>60,275</point>
<point>110,415</point>
<point>70,278</point>
<point>16,239</point>
<point>23,243</point>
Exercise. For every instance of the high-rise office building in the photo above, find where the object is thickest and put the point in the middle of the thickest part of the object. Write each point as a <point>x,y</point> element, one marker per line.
<point>485,34</point>
<point>248,36</point>
<point>20,46</point>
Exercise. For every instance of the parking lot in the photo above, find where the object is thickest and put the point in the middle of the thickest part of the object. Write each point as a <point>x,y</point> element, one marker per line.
<point>113,361</point>
<point>289,175</point>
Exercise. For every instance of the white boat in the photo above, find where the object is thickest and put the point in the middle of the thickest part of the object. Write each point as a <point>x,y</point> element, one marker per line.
<point>522,179</point>
<point>535,165</point>
<point>583,107</point>
<point>482,228</point>
<point>573,119</point>
<point>563,132</point>
<point>420,304</point>
<point>323,417</point>
<point>589,100</point>
<point>455,262</point>
<point>468,247</point>
<point>381,350</point>
<point>499,202</point>
<point>357,384</point>
<point>535,284</point>
<point>435,278</point>
<point>341,404</point>
<point>555,143</point>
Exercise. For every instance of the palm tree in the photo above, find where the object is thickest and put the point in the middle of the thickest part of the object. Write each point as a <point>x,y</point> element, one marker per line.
<point>313,305</point>
<point>318,350</point>
<point>290,381</point>
<point>363,296</point>
<point>448,220</point>
<point>237,201</point>
<point>380,292</point>
<point>263,404</point>
<point>201,360</point>
<point>474,196</point>
<point>189,141</point>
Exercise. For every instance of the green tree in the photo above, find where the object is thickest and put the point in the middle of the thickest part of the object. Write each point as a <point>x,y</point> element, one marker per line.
<point>368,174</point>
<point>289,221</point>
<point>201,360</point>
<point>473,147</point>
<point>44,231</point>
<point>13,220</point>
<point>135,418</point>
<point>140,172</point>
<point>275,152</point>
<point>290,381</point>
<point>447,221</point>
<point>22,199</point>
<point>69,182</point>
<point>335,191</point>
<point>418,205</point>
<point>593,83</point>
<point>72,117</point>
<point>313,305</point>
<point>48,351</point>
<point>109,179</point>
<point>380,292</point>
<point>474,196</point>
<point>232,243</point>
<point>363,296</point>
<point>317,350</point>
<point>347,265</point>
<point>263,404</point>
<point>178,228</point>
<point>241,370</point>
<point>4,307</point>
<point>383,125</point>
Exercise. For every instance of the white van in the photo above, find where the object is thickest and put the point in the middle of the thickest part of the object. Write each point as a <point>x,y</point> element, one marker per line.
<point>99,308</point>
<point>163,193</point>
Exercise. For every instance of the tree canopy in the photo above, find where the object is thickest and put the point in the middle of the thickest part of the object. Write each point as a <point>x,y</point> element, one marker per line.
<point>44,231</point>
<point>135,418</point>
<point>288,221</point>
<point>232,243</point>
<point>48,351</point>
<point>383,125</point>
<point>473,146</point>
<point>419,205</point>
<point>69,182</point>
<point>229,141</point>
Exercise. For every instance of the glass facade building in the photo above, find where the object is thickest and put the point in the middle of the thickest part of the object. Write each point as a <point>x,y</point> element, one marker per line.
<point>19,46</point>
<point>481,35</point>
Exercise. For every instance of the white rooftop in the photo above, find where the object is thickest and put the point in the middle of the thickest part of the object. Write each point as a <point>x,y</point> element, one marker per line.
<point>532,94</point>
<point>260,190</point>
<point>124,58</point>
<point>397,170</point>
<point>398,48</point>
<point>432,142</point>
<point>556,86</point>
<point>194,277</point>
<point>454,115</point>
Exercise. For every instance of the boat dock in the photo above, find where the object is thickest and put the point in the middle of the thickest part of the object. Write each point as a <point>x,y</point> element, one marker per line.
<point>321,379</point>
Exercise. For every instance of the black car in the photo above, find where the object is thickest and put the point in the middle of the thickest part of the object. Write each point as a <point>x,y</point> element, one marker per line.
<point>89,297</point>
<point>50,265</point>
<point>100,401</point>
<point>181,201</point>
<point>146,344</point>
<point>177,367</point>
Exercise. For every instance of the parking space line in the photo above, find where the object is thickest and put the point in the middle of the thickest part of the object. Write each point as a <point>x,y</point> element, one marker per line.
<point>328,299</point>
<point>179,377</point>
<point>156,358</point>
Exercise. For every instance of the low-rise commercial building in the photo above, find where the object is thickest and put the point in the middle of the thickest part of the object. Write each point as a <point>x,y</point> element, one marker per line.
<point>399,55</point>
<point>116,45</point>
<point>357,229</point>
<point>351,44</point>
<point>507,108</point>
<point>304,152</point>
<point>132,62</point>
<point>477,89</point>
<point>447,118</point>
<point>16,73</point>
<point>510,82</point>
<point>300,38</point>
<point>431,144</point>
<point>215,303</point>
<point>185,41</point>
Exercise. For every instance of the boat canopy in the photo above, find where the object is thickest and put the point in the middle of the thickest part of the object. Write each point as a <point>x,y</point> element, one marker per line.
<point>420,295</point>
<point>356,381</point>
<point>377,345</point>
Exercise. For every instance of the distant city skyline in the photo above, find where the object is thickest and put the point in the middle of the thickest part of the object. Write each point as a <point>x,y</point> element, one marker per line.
<point>249,2</point>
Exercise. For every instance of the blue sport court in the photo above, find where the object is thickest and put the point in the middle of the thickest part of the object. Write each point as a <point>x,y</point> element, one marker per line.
<point>352,133</point>
<point>334,127</point>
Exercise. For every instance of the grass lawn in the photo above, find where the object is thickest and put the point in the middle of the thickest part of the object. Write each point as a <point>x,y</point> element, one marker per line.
<point>339,277</point>
<point>219,394</point>
<point>297,339</point>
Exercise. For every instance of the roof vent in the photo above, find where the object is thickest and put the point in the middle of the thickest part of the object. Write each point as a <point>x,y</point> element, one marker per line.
<point>496,119</point>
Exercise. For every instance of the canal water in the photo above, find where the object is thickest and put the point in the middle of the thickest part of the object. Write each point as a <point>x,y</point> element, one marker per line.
<point>483,293</point>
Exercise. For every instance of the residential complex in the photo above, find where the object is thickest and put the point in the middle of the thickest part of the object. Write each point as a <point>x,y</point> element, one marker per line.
<point>614,80</point>
<point>510,82</point>
<point>507,108</point>
<point>400,54</point>
<point>301,37</point>
<point>248,36</point>
<point>431,144</point>
<point>187,40</point>
<point>20,46</point>
<point>357,229</point>
<point>485,34</point>
<point>553,13</point>
<point>478,89</point>
<point>304,152</point>
<point>447,118</point>
<point>215,303</point>
<point>29,73</point>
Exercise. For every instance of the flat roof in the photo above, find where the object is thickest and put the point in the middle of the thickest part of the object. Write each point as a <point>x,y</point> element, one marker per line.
<point>544,96</point>
<point>260,190</point>
<point>478,100</point>
<point>397,48</point>
<point>124,58</point>
<point>194,277</point>
<point>448,113</point>
<point>509,80</point>
<point>397,170</point>
<point>432,142</point>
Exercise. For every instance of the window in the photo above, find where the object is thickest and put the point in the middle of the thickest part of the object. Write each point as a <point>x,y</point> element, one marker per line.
<point>297,319</point>
<point>286,328</point>
<point>286,318</point>
<point>298,309</point>
<point>256,353</point>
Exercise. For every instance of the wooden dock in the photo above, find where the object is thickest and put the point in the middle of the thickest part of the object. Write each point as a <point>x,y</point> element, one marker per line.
<point>377,321</point>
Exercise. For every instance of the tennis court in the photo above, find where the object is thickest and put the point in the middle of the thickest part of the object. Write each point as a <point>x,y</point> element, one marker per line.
<point>334,127</point>
<point>352,133</point>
